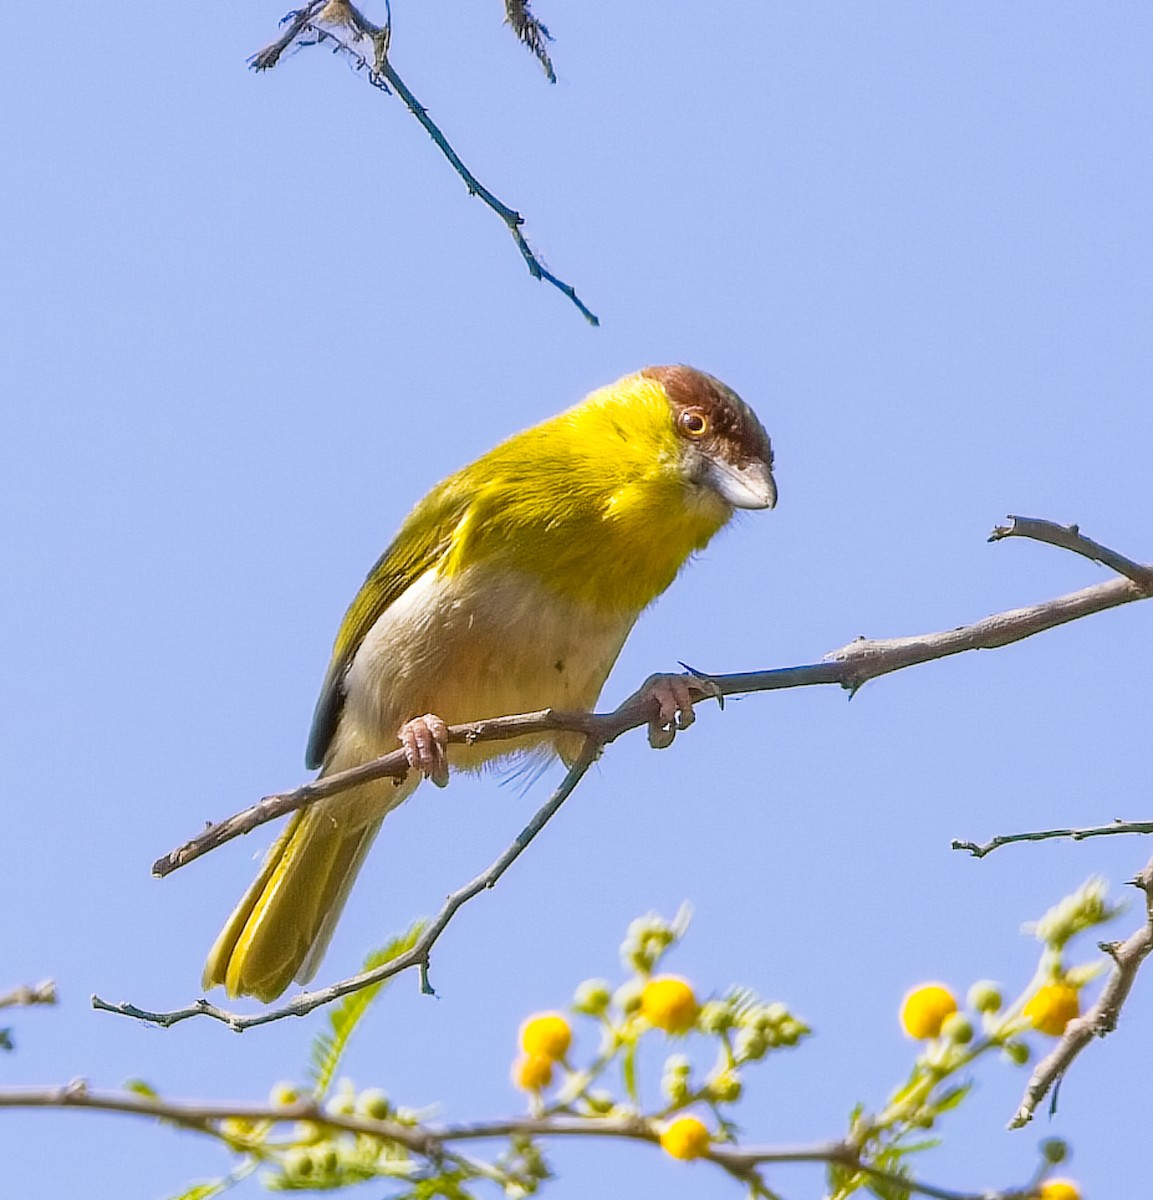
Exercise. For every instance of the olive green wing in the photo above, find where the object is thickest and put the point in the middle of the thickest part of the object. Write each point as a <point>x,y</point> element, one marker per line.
<point>424,539</point>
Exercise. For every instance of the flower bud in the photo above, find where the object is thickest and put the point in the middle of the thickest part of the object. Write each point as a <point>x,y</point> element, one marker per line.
<point>716,1016</point>
<point>750,1045</point>
<point>726,1087</point>
<point>373,1103</point>
<point>1016,1052</point>
<point>592,997</point>
<point>628,996</point>
<point>985,997</point>
<point>957,1029</point>
<point>298,1163</point>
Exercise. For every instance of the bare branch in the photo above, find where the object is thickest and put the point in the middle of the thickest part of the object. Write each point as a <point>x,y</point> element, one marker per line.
<point>294,23</point>
<point>430,1141</point>
<point>418,956</point>
<point>382,75</point>
<point>980,849</point>
<point>850,667</point>
<point>1070,537</point>
<point>1102,1018</point>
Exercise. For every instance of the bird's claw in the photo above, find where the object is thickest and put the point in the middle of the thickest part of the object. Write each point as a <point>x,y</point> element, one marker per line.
<point>674,698</point>
<point>425,742</point>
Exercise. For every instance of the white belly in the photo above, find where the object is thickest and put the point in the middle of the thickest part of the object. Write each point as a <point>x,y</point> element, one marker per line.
<point>477,646</point>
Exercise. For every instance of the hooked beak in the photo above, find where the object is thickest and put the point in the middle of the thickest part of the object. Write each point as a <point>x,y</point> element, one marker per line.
<point>749,486</point>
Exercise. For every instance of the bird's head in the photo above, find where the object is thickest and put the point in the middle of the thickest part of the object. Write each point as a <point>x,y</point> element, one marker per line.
<point>721,444</point>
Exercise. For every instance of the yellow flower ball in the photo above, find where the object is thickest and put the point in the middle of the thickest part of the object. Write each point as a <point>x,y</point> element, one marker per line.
<point>686,1137</point>
<point>546,1035</point>
<point>531,1072</point>
<point>668,1003</point>
<point>925,1009</point>
<point>1052,1007</point>
<point>1059,1189</point>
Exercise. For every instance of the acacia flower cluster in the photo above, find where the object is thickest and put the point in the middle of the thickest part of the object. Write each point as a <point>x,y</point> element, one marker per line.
<point>651,1005</point>
<point>954,1038</point>
<point>581,1072</point>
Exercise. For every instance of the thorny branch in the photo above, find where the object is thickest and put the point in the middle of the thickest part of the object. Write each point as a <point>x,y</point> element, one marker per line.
<point>980,849</point>
<point>850,667</point>
<point>418,956</point>
<point>1102,1018</point>
<point>432,1141</point>
<point>317,23</point>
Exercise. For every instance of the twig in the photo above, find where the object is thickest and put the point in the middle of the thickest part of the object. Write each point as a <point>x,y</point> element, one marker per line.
<point>429,1141</point>
<point>980,849</point>
<point>1102,1018</point>
<point>850,667</point>
<point>383,75</point>
<point>23,997</point>
<point>1070,537</point>
<point>418,956</point>
<point>294,23</point>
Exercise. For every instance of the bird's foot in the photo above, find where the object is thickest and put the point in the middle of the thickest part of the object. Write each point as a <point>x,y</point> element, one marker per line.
<point>674,696</point>
<point>425,742</point>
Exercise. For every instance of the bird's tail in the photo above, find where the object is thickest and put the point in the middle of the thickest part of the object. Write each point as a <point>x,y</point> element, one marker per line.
<point>281,928</point>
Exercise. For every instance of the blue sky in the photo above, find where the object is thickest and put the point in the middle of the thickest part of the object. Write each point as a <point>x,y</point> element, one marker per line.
<point>250,320</point>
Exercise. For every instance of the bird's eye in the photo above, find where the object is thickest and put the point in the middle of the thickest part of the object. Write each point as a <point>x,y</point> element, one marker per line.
<point>694,422</point>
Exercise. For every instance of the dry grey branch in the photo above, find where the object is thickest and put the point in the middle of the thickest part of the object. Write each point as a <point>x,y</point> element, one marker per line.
<point>318,22</point>
<point>432,1141</point>
<point>417,957</point>
<point>294,23</point>
<point>1102,1018</point>
<point>980,849</point>
<point>1070,537</point>
<point>850,667</point>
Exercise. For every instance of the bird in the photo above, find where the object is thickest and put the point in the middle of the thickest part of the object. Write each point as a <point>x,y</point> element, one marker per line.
<point>511,587</point>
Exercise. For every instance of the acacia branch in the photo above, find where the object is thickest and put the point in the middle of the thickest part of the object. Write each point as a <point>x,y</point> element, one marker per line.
<point>850,667</point>
<point>317,22</point>
<point>1102,1018</point>
<point>980,849</point>
<point>417,956</point>
<point>1070,537</point>
<point>431,1141</point>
